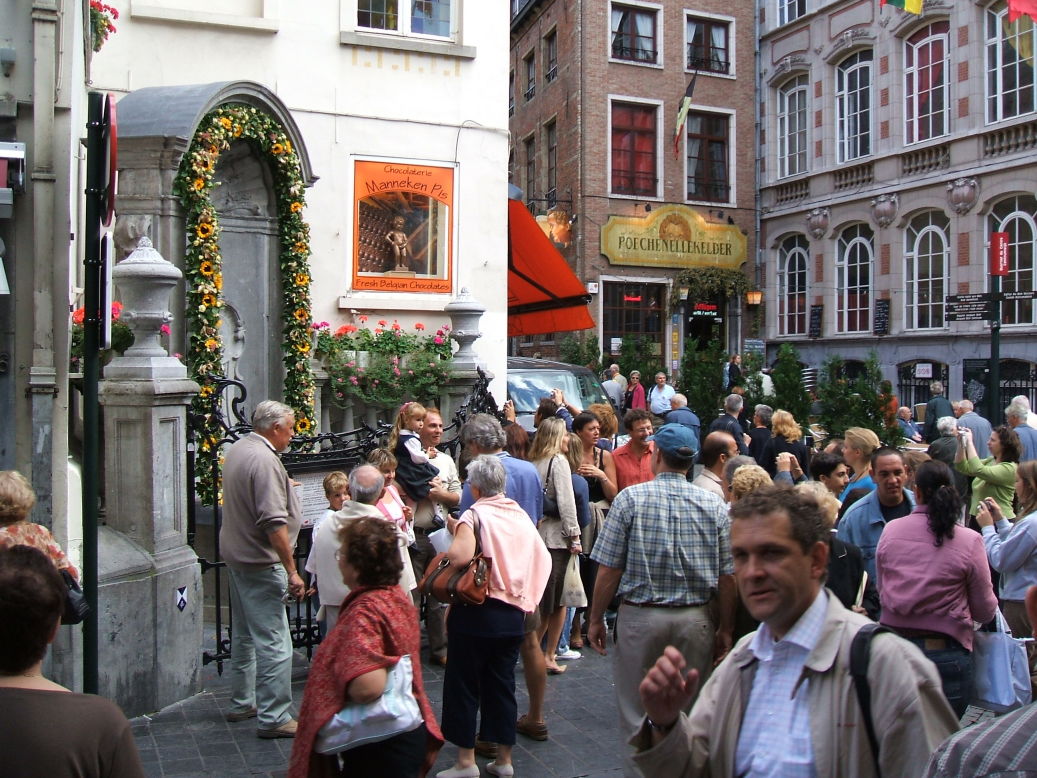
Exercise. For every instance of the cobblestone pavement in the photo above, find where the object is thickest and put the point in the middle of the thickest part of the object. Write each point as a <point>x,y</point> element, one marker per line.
<point>191,738</point>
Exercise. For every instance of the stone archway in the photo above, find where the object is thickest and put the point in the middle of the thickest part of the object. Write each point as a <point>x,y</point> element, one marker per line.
<point>156,127</point>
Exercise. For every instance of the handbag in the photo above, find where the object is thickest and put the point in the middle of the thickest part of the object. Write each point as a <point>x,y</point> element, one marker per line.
<point>550,509</point>
<point>76,606</point>
<point>573,595</point>
<point>1001,675</point>
<point>358,724</point>
<point>467,584</point>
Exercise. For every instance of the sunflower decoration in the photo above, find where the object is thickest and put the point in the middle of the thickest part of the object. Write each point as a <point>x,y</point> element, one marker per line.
<point>203,262</point>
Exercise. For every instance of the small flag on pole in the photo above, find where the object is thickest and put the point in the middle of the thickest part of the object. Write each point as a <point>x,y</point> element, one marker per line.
<point>911,6</point>
<point>682,115</point>
<point>1017,8</point>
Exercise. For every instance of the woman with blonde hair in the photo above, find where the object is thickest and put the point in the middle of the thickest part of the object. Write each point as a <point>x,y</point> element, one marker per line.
<point>559,530</point>
<point>1012,551</point>
<point>860,443</point>
<point>748,478</point>
<point>786,437</point>
<point>17,499</point>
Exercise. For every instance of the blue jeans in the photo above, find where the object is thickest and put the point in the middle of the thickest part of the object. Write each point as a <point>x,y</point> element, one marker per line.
<point>954,662</point>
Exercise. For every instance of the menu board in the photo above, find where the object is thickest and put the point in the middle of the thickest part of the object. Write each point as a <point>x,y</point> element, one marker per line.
<point>816,312</point>
<point>881,324</point>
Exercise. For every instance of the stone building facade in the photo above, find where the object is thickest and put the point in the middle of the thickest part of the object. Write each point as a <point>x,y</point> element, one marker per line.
<point>892,146</point>
<point>594,91</point>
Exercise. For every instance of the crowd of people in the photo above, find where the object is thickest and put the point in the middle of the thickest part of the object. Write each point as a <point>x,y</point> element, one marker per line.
<point>732,573</point>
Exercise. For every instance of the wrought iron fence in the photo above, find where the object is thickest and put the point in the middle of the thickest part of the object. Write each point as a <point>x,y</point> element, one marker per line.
<point>226,406</point>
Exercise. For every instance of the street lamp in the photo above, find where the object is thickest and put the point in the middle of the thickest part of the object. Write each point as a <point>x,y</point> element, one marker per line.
<point>753,297</point>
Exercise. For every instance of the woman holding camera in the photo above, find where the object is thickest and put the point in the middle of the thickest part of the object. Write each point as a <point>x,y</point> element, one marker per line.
<point>994,476</point>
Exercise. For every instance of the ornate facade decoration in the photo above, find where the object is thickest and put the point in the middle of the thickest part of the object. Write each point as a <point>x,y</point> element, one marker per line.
<point>962,194</point>
<point>817,222</point>
<point>884,209</point>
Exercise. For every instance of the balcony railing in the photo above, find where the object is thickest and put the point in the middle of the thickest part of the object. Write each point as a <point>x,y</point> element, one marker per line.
<point>708,58</point>
<point>635,53</point>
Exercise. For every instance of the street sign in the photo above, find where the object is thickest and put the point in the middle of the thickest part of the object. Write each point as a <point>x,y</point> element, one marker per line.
<point>969,298</point>
<point>999,253</point>
<point>1022,295</point>
<point>969,316</point>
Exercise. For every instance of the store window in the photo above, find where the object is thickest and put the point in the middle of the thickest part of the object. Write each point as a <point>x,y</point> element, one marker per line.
<point>634,34</point>
<point>1009,49</point>
<point>403,217</point>
<point>405,17</point>
<point>550,56</point>
<point>551,158</point>
<point>1018,217</point>
<point>634,150</point>
<point>708,45</point>
<point>793,264</point>
<point>853,106</point>
<point>708,157</point>
<point>855,253</point>
<point>925,83</point>
<point>926,264</point>
<point>790,10</point>
<point>634,310</point>
<point>792,127</point>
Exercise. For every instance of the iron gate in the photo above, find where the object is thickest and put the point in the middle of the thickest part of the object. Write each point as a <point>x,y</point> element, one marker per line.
<point>327,451</point>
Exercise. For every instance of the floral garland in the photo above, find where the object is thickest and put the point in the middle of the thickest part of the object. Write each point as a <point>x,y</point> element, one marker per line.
<point>202,262</point>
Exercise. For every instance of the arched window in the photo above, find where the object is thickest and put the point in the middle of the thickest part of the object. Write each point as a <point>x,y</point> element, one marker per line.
<point>853,106</point>
<point>925,83</point>
<point>926,263</point>
<point>854,255</point>
<point>793,261</point>
<point>792,127</point>
<point>1009,49</point>
<point>1018,217</point>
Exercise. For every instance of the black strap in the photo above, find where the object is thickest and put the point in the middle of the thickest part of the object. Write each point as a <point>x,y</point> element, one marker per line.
<point>860,657</point>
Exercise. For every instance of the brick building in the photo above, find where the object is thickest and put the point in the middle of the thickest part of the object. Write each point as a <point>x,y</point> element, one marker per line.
<point>595,88</point>
<point>893,147</point>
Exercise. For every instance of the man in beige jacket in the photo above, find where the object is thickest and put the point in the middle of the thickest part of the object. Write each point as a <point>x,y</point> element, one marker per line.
<point>782,702</point>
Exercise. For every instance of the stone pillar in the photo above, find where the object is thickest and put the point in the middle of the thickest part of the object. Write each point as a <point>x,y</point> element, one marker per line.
<point>150,591</point>
<point>465,314</point>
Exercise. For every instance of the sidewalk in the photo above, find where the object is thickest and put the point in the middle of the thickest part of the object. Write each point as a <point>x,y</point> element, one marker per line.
<point>191,737</point>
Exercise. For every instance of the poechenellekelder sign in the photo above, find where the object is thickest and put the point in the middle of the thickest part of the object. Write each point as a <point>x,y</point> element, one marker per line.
<point>673,236</point>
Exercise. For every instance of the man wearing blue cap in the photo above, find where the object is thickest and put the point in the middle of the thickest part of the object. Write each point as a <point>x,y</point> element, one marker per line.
<point>665,549</point>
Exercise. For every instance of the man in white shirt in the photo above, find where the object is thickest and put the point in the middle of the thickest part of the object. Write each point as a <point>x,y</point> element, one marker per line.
<point>781,702</point>
<point>429,515</point>
<point>659,399</point>
<point>366,487</point>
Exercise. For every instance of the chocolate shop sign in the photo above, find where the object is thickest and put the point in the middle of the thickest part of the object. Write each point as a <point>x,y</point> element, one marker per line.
<point>673,236</point>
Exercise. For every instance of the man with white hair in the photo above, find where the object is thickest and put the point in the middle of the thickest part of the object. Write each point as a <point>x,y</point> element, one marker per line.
<point>261,521</point>
<point>1015,415</point>
<point>680,413</point>
<point>618,377</point>
<point>613,389</point>
<point>944,449</point>
<point>980,427</point>
<point>1031,417</point>
<point>937,407</point>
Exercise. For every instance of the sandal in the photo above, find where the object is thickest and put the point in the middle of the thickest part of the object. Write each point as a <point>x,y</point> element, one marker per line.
<point>534,730</point>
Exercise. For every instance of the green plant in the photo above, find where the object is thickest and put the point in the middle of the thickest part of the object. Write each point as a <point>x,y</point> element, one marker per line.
<point>789,392</point>
<point>386,365</point>
<point>580,350</point>
<point>854,402</point>
<point>707,284</point>
<point>702,380</point>
<point>122,337</point>
<point>752,380</point>
<point>635,354</point>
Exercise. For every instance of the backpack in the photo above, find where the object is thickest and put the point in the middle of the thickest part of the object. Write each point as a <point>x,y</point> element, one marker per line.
<point>860,657</point>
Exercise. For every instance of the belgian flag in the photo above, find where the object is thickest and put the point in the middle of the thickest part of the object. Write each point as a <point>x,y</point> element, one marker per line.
<point>911,6</point>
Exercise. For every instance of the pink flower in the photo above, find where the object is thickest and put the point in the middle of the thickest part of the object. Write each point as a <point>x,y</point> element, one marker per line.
<point>396,371</point>
<point>378,330</point>
<point>438,340</point>
<point>419,326</point>
<point>395,325</point>
<point>362,319</point>
<point>382,322</point>
<point>353,380</point>
<point>320,325</point>
<point>164,329</point>
<point>116,310</point>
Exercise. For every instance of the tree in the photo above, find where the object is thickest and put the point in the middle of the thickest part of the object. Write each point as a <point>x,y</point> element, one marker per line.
<point>702,380</point>
<point>580,350</point>
<point>635,354</point>
<point>752,381</point>
<point>854,402</point>
<point>789,392</point>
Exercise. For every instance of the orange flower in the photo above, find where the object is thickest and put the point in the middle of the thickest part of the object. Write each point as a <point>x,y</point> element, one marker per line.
<point>217,281</point>
<point>199,184</point>
<point>209,300</point>
<point>205,230</point>
<point>301,315</point>
<point>277,149</point>
<point>296,207</point>
<point>206,390</point>
<point>206,268</point>
<point>302,424</point>
<point>303,346</point>
<point>300,246</point>
<point>237,130</point>
<point>301,279</point>
<point>79,315</point>
<point>212,344</point>
<point>225,122</point>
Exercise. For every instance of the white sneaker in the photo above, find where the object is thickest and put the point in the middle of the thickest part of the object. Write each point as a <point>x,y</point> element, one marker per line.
<point>570,654</point>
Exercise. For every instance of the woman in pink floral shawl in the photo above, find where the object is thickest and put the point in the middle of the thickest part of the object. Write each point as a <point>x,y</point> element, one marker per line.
<point>377,626</point>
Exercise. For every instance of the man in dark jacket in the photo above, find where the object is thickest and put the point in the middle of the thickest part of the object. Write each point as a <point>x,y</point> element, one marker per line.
<point>937,407</point>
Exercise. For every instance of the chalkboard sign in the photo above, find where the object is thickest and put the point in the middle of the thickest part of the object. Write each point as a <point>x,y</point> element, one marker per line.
<point>881,318</point>
<point>816,312</point>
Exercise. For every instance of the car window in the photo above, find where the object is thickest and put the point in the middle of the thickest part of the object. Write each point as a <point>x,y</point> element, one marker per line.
<point>527,389</point>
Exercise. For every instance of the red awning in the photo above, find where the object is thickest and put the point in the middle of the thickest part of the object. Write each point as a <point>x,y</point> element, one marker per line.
<point>544,295</point>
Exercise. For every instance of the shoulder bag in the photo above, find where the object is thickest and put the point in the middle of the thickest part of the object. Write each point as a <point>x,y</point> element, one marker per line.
<point>358,724</point>
<point>550,508</point>
<point>467,584</point>
<point>1001,679</point>
<point>76,607</point>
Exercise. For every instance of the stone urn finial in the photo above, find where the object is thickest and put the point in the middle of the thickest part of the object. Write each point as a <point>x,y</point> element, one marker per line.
<point>145,280</point>
<point>465,313</point>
